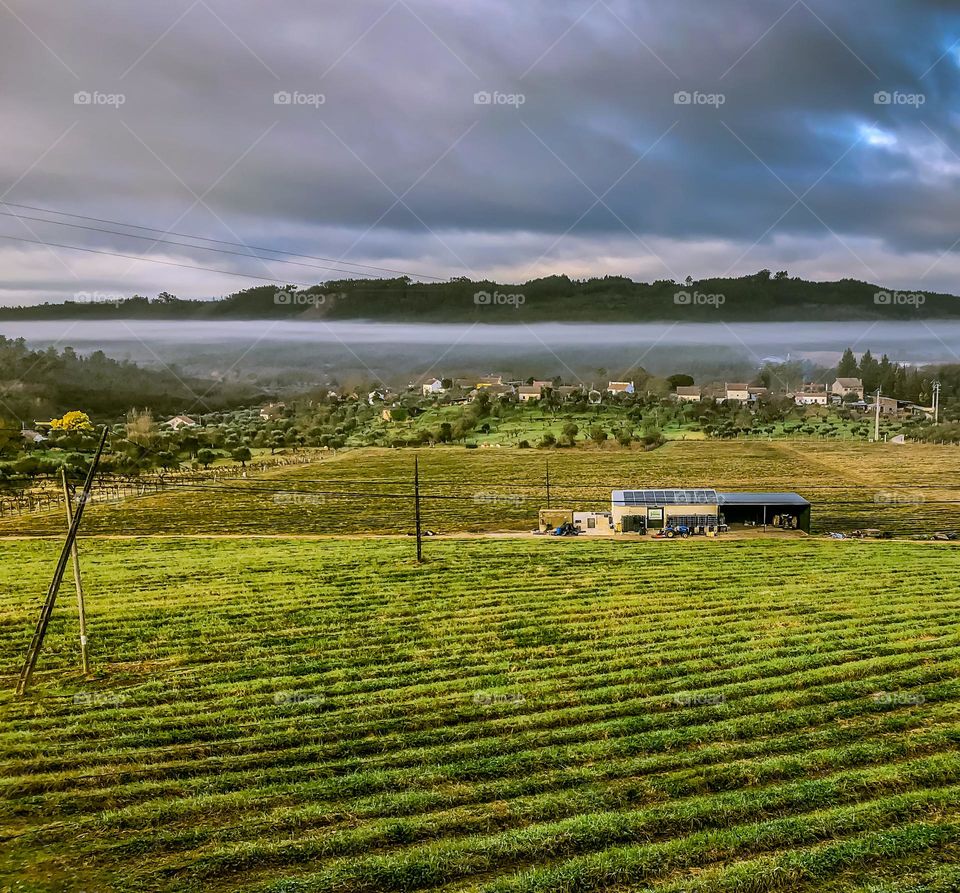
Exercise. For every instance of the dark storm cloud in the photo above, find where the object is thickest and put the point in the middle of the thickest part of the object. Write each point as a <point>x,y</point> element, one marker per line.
<point>595,168</point>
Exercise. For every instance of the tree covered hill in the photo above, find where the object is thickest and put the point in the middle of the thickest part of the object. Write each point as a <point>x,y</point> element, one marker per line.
<point>756,298</point>
<point>36,384</point>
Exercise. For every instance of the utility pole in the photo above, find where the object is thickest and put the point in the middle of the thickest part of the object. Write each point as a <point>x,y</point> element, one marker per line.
<point>33,652</point>
<point>548,483</point>
<point>876,421</point>
<point>416,499</point>
<point>936,402</point>
<point>75,554</point>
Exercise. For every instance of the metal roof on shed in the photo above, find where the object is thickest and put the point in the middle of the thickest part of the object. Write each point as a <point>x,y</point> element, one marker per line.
<point>762,499</point>
<point>664,497</point>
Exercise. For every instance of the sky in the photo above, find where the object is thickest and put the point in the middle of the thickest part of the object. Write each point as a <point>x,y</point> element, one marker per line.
<point>479,138</point>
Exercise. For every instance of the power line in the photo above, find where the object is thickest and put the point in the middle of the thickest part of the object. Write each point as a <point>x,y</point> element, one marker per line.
<point>348,263</point>
<point>166,263</point>
<point>157,240</point>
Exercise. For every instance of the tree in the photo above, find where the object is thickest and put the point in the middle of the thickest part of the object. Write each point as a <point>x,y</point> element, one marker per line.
<point>206,457</point>
<point>869,372</point>
<point>597,434</point>
<point>9,438</point>
<point>847,367</point>
<point>72,421</point>
<point>680,380</point>
<point>242,455</point>
<point>167,460</point>
<point>570,432</point>
<point>624,436</point>
<point>140,428</point>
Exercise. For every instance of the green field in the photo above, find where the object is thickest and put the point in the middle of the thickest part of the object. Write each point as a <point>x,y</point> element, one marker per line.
<point>909,489</point>
<point>514,715</point>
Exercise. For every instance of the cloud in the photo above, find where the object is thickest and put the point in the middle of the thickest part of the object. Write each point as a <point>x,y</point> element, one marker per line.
<point>386,158</point>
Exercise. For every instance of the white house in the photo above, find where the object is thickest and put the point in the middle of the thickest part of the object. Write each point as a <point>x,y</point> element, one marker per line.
<point>433,388</point>
<point>526,393</point>
<point>180,421</point>
<point>734,390</point>
<point>811,395</point>
<point>620,387</point>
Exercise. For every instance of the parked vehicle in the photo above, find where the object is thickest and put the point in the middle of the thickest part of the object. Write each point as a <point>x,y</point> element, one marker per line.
<point>671,531</point>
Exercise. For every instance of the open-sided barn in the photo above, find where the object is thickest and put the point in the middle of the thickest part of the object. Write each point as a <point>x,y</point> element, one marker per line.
<point>641,510</point>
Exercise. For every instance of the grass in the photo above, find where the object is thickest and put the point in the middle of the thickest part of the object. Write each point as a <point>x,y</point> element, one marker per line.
<point>514,715</point>
<point>908,489</point>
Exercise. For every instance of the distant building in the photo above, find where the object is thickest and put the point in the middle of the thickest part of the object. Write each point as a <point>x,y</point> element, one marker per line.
<point>527,393</point>
<point>272,411</point>
<point>689,393</point>
<point>844,387</point>
<point>433,388</point>
<point>493,391</point>
<point>620,387</point>
<point>888,405</point>
<point>736,391</point>
<point>182,421</point>
<point>812,395</point>
<point>565,392</point>
<point>542,383</point>
<point>489,381</point>
<point>758,393</point>
<point>31,436</point>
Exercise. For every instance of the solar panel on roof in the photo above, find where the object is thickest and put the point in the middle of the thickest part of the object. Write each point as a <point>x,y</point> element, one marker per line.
<point>664,497</point>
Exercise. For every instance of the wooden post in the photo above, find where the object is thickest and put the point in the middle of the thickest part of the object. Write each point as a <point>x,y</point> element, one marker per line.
<point>548,483</point>
<point>33,652</point>
<point>75,553</point>
<point>416,499</point>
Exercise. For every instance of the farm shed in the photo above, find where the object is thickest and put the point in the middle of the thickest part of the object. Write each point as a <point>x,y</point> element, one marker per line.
<point>642,510</point>
<point>765,508</point>
<point>594,523</point>
<point>551,518</point>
